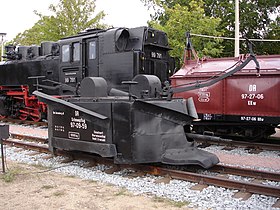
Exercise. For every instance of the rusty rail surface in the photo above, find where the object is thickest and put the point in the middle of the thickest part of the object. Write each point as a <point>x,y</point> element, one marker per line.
<point>29,138</point>
<point>241,144</point>
<point>248,172</point>
<point>220,182</point>
<point>185,175</point>
<point>27,145</point>
<point>23,122</point>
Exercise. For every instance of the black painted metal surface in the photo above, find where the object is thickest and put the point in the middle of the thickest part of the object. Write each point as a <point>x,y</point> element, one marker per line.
<point>130,131</point>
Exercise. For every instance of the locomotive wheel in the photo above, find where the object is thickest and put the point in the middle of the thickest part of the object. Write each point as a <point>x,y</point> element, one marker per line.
<point>2,117</point>
<point>35,119</point>
<point>36,116</point>
<point>23,116</point>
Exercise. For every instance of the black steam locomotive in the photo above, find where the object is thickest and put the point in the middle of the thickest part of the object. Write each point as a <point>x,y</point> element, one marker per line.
<point>57,68</point>
<point>103,93</point>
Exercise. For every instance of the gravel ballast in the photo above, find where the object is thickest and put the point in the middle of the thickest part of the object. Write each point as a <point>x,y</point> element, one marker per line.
<point>177,190</point>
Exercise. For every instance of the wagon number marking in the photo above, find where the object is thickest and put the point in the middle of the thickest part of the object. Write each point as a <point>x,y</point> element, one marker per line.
<point>258,96</point>
<point>251,97</point>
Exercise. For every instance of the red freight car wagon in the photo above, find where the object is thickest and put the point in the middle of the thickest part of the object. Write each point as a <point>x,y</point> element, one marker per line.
<point>244,104</point>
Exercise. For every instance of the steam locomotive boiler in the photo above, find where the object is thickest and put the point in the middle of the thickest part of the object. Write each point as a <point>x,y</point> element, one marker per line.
<point>57,68</point>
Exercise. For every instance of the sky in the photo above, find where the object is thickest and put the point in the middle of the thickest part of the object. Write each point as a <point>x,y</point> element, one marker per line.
<point>17,15</point>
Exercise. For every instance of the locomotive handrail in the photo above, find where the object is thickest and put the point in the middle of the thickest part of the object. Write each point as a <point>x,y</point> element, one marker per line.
<point>130,83</point>
<point>206,83</point>
<point>51,81</point>
<point>37,80</point>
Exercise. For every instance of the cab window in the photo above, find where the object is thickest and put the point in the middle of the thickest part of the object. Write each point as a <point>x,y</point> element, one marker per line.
<point>76,51</point>
<point>65,53</point>
<point>92,50</point>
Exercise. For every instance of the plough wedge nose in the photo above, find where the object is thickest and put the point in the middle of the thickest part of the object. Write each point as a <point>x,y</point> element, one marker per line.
<point>189,156</point>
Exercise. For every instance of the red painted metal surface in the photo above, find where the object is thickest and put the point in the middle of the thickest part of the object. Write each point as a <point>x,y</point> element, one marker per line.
<point>246,93</point>
<point>31,107</point>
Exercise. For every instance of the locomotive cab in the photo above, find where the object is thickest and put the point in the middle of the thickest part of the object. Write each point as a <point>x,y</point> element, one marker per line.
<point>70,62</point>
<point>117,54</point>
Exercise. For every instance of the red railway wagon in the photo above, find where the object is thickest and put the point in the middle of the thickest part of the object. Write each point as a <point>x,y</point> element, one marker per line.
<point>245,104</point>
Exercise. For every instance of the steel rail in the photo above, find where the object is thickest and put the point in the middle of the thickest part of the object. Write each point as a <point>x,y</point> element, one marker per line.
<point>218,181</point>
<point>248,172</point>
<point>24,122</point>
<point>29,138</point>
<point>189,176</point>
<point>232,143</point>
<point>27,145</point>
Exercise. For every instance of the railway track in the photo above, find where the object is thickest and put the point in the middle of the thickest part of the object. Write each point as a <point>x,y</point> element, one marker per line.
<point>223,181</point>
<point>24,122</point>
<point>203,141</point>
<point>217,176</point>
<point>206,141</point>
<point>27,145</point>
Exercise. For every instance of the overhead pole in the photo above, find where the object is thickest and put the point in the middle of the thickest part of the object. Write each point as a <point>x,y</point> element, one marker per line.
<point>2,45</point>
<point>236,44</point>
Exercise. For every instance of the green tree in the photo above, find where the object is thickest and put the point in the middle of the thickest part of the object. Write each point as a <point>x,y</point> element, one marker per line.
<point>69,17</point>
<point>191,18</point>
<point>274,34</point>
<point>257,20</point>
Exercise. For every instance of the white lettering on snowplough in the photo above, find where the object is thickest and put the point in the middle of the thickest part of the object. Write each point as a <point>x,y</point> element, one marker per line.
<point>98,136</point>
